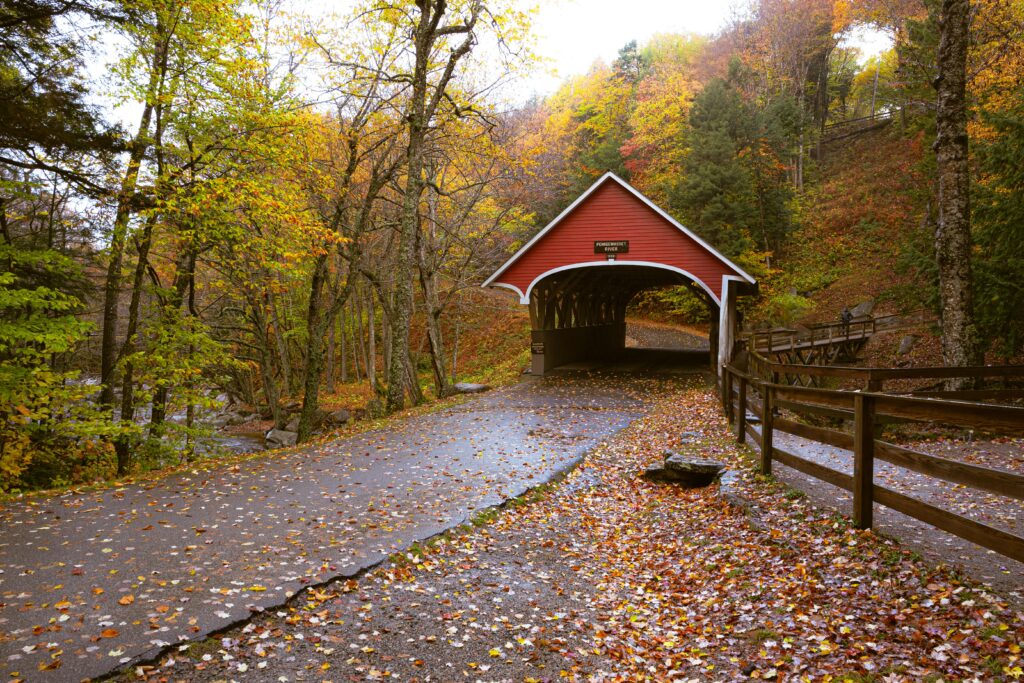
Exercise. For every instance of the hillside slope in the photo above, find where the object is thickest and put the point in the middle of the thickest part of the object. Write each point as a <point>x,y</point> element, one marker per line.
<point>866,206</point>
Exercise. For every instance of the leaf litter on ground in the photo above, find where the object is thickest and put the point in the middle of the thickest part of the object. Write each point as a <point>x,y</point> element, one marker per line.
<point>608,577</point>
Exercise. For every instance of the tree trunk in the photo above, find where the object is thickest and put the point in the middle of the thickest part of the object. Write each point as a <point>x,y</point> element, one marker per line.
<point>184,267</point>
<point>421,109</point>
<point>118,239</point>
<point>270,392</point>
<point>343,325</point>
<point>360,336</point>
<point>371,340</point>
<point>455,351</point>
<point>953,232</point>
<point>432,315</point>
<point>331,343</point>
<point>284,361</point>
<point>315,320</point>
<point>123,444</point>
<point>126,196</point>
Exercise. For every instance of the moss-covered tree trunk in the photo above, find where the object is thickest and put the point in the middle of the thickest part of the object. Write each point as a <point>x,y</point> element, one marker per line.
<point>953,232</point>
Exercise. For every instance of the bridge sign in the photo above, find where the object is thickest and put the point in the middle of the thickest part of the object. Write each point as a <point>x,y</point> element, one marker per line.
<point>611,247</point>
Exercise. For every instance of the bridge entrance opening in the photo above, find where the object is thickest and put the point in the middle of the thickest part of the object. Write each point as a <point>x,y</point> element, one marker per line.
<point>580,272</point>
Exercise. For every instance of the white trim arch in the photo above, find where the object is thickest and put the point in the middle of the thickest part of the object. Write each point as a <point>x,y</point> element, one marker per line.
<point>522,297</point>
<point>525,298</point>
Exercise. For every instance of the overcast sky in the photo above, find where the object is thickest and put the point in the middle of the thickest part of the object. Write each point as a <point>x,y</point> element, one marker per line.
<point>573,34</point>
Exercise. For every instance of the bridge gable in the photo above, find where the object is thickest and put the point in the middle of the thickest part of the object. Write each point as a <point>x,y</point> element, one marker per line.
<point>611,210</point>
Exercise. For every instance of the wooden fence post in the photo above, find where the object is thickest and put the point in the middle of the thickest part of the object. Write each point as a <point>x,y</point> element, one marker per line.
<point>767,427</point>
<point>863,460</point>
<point>741,412</point>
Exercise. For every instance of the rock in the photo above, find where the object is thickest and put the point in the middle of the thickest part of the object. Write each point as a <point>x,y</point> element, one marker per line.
<point>691,471</point>
<point>684,438</point>
<point>863,309</point>
<point>279,438</point>
<point>293,424</point>
<point>291,406</point>
<point>470,388</point>
<point>232,419</point>
<point>338,417</point>
<point>658,474</point>
<point>907,344</point>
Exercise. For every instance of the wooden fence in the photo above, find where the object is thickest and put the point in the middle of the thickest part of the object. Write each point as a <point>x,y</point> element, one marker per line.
<point>763,397</point>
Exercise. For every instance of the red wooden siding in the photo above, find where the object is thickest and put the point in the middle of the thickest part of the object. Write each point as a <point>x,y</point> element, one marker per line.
<point>612,212</point>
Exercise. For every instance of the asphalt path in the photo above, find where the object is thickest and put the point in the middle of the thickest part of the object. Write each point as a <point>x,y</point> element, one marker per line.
<point>92,582</point>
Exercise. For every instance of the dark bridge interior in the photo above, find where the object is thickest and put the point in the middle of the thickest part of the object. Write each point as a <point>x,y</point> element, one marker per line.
<point>579,315</point>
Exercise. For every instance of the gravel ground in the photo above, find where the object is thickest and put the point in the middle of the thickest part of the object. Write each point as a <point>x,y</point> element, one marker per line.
<point>652,335</point>
<point>981,564</point>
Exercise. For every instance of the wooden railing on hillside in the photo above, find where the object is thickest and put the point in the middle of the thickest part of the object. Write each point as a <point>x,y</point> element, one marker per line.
<point>838,130</point>
<point>819,345</point>
<point>784,338</point>
<point>765,398</point>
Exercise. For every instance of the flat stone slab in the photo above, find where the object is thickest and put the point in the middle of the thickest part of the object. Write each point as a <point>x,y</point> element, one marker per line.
<point>686,470</point>
<point>470,388</point>
<point>279,438</point>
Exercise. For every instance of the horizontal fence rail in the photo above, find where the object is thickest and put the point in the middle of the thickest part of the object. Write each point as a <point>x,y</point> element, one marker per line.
<point>746,394</point>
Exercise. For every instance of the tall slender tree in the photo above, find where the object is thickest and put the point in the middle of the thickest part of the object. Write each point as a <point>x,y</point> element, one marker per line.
<point>953,231</point>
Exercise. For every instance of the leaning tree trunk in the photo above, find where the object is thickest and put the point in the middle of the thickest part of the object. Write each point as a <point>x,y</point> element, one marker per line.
<point>953,232</point>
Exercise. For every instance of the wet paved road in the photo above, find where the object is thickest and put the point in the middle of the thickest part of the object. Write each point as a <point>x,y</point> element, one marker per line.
<point>91,582</point>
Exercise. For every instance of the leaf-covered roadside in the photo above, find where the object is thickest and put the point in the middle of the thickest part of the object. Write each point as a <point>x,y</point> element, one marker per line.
<point>610,577</point>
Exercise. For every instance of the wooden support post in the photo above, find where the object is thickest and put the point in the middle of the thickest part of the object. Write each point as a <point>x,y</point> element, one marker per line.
<point>767,427</point>
<point>863,460</point>
<point>741,412</point>
<point>727,389</point>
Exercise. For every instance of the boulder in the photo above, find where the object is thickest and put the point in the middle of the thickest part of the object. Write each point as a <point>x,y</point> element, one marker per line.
<point>338,417</point>
<point>470,388</point>
<point>907,344</point>
<point>686,470</point>
<point>232,419</point>
<point>863,309</point>
<point>279,438</point>
<point>293,424</point>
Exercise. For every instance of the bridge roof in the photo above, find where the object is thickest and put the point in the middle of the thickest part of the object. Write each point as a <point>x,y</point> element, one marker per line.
<point>612,210</point>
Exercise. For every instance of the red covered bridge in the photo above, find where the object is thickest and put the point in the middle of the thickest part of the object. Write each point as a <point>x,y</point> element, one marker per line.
<point>579,273</point>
